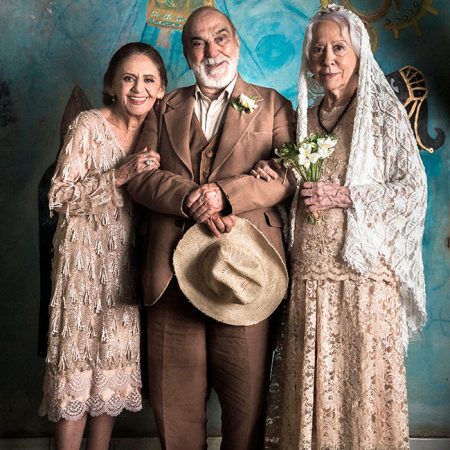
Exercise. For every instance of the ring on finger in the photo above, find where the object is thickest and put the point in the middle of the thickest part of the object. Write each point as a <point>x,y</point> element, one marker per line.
<point>148,162</point>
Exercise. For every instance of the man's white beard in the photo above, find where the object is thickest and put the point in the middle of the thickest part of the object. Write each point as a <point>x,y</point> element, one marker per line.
<point>205,79</point>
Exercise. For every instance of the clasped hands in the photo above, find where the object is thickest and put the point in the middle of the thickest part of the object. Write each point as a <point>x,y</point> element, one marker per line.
<point>205,203</point>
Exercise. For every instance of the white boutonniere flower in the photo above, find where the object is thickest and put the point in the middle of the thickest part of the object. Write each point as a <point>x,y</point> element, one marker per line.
<point>245,103</point>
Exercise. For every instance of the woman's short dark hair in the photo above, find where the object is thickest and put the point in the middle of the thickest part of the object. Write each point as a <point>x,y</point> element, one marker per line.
<point>127,50</point>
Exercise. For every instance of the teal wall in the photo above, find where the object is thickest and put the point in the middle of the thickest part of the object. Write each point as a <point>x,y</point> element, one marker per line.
<point>47,47</point>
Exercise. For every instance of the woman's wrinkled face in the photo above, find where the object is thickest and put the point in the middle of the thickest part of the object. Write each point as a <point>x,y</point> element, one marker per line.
<point>136,85</point>
<point>331,57</point>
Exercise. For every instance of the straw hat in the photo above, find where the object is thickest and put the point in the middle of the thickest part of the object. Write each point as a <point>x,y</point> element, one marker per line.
<point>238,279</point>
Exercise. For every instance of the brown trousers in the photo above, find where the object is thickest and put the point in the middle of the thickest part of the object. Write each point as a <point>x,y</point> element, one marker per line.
<point>187,354</point>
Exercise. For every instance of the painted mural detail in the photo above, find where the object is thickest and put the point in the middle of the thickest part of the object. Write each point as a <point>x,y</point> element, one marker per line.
<point>406,14</point>
<point>442,320</point>
<point>410,17</point>
<point>169,15</point>
<point>411,88</point>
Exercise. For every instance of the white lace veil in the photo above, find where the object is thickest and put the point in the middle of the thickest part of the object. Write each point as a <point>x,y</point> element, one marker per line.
<point>385,176</point>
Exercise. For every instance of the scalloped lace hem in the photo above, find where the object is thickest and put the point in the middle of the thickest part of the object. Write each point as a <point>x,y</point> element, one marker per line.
<point>94,406</point>
<point>71,395</point>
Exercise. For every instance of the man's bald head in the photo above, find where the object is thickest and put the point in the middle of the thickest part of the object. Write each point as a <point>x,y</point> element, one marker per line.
<point>185,34</point>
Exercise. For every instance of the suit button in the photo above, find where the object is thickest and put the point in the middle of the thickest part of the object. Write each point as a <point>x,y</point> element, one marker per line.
<point>179,223</point>
<point>206,173</point>
<point>209,153</point>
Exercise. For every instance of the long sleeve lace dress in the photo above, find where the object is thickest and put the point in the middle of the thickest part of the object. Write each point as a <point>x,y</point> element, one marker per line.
<point>339,378</point>
<point>92,363</point>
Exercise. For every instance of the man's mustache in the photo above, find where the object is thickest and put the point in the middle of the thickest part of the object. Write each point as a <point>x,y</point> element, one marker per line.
<point>215,61</point>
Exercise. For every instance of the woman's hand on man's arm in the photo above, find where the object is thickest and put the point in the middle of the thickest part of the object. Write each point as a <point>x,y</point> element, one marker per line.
<point>135,164</point>
<point>264,170</point>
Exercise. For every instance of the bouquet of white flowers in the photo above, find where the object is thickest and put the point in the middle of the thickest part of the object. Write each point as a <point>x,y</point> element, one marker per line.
<point>306,158</point>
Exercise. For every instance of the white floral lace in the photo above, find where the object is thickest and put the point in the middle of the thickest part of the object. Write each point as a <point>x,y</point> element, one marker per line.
<point>387,182</point>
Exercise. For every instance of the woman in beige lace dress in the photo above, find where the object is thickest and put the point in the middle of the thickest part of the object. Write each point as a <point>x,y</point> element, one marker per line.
<point>92,364</point>
<point>357,278</point>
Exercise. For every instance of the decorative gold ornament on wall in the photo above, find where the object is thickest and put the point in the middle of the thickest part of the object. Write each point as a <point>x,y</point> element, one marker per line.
<point>411,18</point>
<point>169,15</point>
<point>408,13</point>
<point>410,86</point>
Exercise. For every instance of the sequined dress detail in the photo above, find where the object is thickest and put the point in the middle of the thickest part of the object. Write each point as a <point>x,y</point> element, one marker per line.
<point>338,379</point>
<point>92,362</point>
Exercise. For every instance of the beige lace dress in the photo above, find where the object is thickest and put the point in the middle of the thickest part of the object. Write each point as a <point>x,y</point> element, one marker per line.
<point>338,380</point>
<point>92,362</point>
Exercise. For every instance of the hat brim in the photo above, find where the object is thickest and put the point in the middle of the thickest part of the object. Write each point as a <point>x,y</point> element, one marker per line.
<point>185,260</point>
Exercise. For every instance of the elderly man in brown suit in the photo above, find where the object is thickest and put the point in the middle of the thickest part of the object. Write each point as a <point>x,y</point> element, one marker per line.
<point>208,148</point>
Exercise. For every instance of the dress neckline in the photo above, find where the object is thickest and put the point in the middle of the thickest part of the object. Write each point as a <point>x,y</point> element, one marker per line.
<point>329,130</point>
<point>110,131</point>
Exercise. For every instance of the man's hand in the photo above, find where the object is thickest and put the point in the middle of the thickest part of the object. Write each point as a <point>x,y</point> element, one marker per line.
<point>218,224</point>
<point>205,201</point>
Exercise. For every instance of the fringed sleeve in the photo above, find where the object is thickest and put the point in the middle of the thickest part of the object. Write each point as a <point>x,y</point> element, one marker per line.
<point>83,184</point>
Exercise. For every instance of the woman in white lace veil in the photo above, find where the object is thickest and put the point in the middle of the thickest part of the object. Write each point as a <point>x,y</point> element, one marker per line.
<point>358,288</point>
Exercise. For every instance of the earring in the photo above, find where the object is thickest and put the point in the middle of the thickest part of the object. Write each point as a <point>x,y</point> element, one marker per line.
<point>114,98</point>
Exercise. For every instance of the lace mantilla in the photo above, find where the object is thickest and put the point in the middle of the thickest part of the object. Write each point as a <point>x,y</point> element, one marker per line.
<point>387,182</point>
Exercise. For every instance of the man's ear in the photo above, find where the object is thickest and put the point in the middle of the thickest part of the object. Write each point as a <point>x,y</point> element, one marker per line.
<point>238,42</point>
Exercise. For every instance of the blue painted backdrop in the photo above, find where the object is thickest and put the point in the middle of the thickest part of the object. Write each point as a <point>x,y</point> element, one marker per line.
<point>48,46</point>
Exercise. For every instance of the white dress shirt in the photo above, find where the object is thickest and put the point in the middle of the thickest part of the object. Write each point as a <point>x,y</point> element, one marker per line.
<point>211,113</point>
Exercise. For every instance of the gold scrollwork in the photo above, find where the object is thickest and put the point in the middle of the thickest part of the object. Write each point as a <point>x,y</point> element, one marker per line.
<point>410,86</point>
<point>401,23</point>
<point>169,15</point>
<point>371,16</point>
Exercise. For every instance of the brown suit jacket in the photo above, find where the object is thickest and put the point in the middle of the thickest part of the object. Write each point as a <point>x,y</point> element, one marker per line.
<point>245,140</point>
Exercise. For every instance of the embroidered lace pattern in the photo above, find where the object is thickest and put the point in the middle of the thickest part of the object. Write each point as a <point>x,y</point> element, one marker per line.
<point>92,362</point>
<point>338,379</point>
<point>317,250</point>
<point>387,182</point>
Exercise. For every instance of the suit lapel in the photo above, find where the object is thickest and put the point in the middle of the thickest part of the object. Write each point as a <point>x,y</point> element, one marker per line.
<point>178,122</point>
<point>236,123</point>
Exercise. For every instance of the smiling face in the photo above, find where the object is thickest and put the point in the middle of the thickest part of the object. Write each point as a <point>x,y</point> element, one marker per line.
<point>212,49</point>
<point>332,60</point>
<point>136,85</point>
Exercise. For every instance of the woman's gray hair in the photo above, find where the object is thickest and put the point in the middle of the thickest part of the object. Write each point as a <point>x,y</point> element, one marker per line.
<point>342,19</point>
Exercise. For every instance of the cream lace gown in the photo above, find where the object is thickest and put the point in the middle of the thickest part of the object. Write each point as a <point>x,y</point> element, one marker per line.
<point>92,363</point>
<point>339,378</point>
